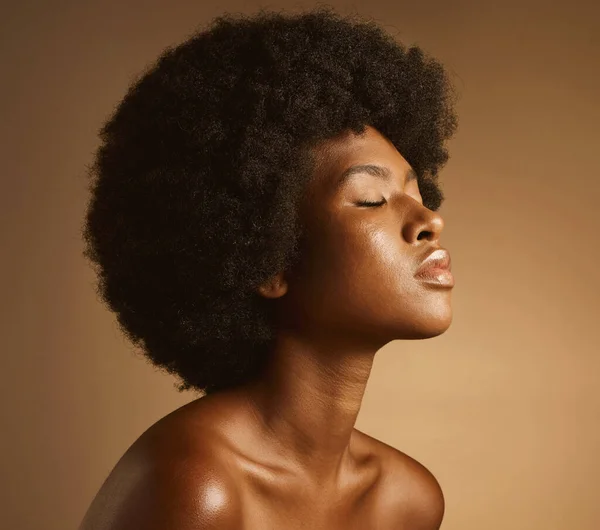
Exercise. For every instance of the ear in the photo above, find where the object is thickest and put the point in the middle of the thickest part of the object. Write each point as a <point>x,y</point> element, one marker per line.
<point>274,287</point>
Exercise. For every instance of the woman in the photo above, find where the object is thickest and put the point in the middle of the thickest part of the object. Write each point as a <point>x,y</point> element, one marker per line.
<point>263,219</point>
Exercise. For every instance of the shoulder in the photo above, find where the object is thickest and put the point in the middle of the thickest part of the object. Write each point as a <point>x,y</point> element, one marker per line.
<point>409,494</point>
<point>165,481</point>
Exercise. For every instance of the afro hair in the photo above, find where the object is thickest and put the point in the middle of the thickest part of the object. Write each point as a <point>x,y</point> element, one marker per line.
<point>196,184</point>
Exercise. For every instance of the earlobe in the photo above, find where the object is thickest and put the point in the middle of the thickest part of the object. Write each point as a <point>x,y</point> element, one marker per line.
<point>274,288</point>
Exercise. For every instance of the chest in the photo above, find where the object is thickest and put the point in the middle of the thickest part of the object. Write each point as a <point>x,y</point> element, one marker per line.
<point>275,516</point>
<point>270,509</point>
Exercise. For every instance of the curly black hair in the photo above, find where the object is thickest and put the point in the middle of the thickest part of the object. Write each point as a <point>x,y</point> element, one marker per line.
<point>196,185</point>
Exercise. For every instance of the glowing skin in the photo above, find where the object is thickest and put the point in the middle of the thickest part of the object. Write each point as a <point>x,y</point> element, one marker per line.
<point>282,452</point>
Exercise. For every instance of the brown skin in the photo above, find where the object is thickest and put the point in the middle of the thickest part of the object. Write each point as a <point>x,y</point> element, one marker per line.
<point>282,452</point>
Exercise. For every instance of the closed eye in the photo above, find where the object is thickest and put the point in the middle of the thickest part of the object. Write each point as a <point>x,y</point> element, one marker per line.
<point>367,203</point>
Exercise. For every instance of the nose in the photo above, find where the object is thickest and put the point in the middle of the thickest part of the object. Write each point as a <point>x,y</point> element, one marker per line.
<point>423,223</point>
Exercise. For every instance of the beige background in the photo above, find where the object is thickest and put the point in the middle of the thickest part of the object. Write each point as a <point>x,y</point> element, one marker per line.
<point>503,408</point>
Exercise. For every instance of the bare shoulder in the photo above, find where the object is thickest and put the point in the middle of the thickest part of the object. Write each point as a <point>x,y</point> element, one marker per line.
<point>166,480</point>
<point>409,495</point>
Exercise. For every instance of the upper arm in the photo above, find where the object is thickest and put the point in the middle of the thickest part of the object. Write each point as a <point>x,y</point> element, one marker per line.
<point>167,496</point>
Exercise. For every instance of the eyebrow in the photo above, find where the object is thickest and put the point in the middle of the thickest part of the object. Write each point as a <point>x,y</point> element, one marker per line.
<point>381,172</point>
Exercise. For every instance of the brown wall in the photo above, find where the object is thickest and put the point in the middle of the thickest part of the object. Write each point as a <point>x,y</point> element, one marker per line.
<point>503,408</point>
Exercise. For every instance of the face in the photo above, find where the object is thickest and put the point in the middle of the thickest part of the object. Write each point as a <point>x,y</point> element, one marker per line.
<point>356,281</point>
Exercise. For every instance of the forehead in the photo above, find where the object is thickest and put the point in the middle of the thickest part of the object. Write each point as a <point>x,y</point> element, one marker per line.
<point>335,155</point>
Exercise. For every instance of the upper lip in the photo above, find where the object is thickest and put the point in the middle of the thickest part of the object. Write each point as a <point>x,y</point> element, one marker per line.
<point>438,258</point>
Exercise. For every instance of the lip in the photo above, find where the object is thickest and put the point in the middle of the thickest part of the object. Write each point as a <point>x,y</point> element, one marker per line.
<point>436,268</point>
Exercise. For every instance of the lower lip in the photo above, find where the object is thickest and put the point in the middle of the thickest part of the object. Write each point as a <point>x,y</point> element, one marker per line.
<point>435,276</point>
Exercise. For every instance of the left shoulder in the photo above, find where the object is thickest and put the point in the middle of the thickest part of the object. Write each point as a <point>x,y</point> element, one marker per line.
<point>409,495</point>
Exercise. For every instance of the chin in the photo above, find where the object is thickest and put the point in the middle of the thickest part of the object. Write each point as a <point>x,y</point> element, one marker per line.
<point>426,333</point>
<point>426,324</point>
<point>432,327</point>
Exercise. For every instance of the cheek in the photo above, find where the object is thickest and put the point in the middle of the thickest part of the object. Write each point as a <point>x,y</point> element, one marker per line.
<point>382,248</point>
<point>373,251</point>
<point>365,262</point>
<point>353,257</point>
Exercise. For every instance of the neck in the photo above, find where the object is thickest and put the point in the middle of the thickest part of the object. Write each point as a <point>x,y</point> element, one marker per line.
<point>307,402</point>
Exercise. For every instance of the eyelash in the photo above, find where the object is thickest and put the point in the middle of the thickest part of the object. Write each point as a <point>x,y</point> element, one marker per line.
<point>366,203</point>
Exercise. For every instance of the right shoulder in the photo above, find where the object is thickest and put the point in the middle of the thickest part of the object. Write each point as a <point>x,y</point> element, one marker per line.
<point>167,486</point>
